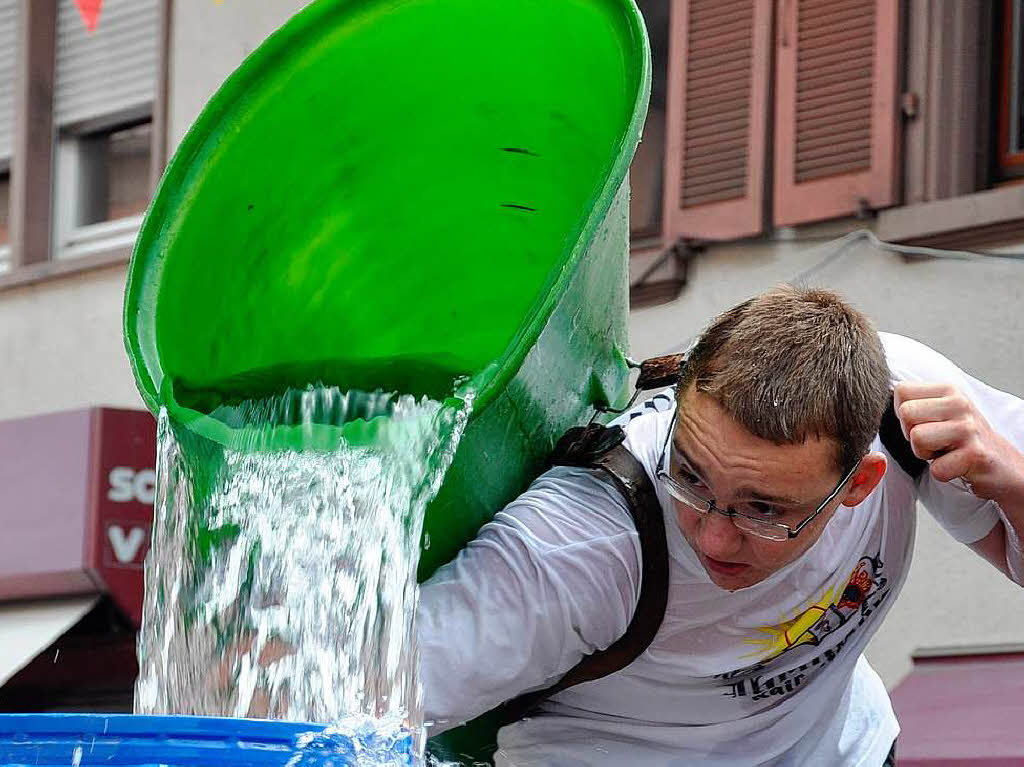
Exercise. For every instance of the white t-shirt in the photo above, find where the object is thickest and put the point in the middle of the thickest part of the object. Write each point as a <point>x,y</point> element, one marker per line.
<point>771,674</point>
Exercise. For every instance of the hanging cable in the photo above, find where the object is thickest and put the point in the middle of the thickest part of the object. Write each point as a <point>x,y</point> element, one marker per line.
<point>840,247</point>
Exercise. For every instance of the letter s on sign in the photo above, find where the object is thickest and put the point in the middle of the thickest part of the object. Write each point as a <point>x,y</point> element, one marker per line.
<point>126,485</point>
<point>121,490</point>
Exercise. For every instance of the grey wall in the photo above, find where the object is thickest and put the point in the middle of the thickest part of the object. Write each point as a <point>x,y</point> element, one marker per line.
<point>971,312</point>
<point>60,346</point>
<point>208,41</point>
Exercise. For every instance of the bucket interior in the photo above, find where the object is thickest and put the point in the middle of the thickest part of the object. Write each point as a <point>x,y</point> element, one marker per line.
<point>385,195</point>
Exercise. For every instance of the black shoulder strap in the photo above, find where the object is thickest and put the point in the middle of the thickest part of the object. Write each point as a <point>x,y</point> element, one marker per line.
<point>892,437</point>
<point>601,447</point>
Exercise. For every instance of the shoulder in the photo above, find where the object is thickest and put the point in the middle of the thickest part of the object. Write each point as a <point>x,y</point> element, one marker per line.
<point>911,360</point>
<point>569,507</point>
<point>569,534</point>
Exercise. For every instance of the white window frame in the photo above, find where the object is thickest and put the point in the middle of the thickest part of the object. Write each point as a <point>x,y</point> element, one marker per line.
<point>72,181</point>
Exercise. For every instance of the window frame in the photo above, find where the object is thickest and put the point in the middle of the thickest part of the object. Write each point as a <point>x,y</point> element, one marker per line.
<point>72,239</point>
<point>5,247</point>
<point>947,190</point>
<point>962,205</point>
<point>35,252</point>
<point>1009,161</point>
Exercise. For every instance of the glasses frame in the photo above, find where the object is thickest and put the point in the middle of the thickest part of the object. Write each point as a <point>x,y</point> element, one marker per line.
<point>701,506</point>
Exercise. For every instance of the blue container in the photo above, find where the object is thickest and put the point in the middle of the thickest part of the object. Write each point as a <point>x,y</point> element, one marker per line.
<point>84,740</point>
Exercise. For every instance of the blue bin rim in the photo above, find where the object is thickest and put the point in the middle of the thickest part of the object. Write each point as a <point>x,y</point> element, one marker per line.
<point>153,726</point>
<point>131,739</point>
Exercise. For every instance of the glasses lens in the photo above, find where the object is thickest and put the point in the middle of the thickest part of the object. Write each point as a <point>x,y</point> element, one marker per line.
<point>686,480</point>
<point>760,528</point>
<point>682,493</point>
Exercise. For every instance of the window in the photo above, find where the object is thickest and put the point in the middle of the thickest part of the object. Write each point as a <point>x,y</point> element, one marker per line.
<point>646,176</point>
<point>806,89</point>
<point>962,163</point>
<point>102,188</point>
<point>83,185</point>
<point>787,112</point>
<point>104,88</point>
<point>1011,96</point>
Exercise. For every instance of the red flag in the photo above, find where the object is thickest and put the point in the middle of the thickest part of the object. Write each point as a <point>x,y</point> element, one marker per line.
<point>90,10</point>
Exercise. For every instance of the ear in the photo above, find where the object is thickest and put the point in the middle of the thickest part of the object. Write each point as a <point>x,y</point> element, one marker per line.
<point>869,474</point>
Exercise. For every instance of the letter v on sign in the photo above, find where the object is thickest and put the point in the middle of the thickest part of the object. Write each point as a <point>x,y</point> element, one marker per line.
<point>126,547</point>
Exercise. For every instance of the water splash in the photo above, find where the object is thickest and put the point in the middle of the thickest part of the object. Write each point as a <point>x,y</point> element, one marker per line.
<point>281,582</point>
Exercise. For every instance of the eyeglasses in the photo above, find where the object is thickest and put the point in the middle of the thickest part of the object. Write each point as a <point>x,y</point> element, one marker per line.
<point>758,518</point>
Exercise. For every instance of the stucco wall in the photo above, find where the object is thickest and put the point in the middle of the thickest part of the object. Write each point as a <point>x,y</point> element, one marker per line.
<point>971,312</point>
<point>60,346</point>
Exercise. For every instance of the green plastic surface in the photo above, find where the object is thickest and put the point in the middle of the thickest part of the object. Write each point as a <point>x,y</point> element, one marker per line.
<point>395,193</point>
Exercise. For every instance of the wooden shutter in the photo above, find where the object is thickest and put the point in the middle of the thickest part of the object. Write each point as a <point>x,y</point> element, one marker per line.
<point>109,71</point>
<point>717,114</point>
<point>8,65</point>
<point>836,118</point>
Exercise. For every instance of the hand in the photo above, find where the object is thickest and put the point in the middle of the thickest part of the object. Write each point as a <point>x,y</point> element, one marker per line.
<point>944,427</point>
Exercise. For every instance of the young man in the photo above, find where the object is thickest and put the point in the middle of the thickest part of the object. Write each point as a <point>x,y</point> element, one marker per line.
<point>790,530</point>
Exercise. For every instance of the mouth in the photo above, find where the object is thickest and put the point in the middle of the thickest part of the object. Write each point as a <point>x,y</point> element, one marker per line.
<point>724,568</point>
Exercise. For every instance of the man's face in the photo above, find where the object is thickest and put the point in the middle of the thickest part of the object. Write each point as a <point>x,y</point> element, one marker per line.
<point>738,467</point>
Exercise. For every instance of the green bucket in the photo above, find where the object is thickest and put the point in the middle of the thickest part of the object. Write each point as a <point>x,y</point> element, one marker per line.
<point>397,194</point>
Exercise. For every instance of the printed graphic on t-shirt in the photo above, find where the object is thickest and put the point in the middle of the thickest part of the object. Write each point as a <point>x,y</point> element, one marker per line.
<point>824,616</point>
<point>659,403</point>
<point>865,591</point>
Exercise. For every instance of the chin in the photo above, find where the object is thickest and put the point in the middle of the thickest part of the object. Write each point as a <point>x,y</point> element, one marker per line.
<point>734,582</point>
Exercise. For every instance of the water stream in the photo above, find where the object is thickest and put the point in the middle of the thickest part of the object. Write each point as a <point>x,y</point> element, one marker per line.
<point>281,583</point>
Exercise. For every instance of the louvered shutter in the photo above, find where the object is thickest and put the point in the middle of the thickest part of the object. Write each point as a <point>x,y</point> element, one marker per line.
<point>8,65</point>
<point>111,70</point>
<point>837,124</point>
<point>719,61</point>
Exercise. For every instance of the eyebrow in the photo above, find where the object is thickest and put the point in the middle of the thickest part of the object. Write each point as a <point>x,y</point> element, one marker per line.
<point>744,492</point>
<point>755,495</point>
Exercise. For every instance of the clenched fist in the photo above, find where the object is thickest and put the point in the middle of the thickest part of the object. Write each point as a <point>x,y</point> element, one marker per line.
<point>946,429</point>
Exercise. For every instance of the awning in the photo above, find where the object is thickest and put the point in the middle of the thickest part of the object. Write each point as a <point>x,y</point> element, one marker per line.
<point>26,629</point>
<point>963,710</point>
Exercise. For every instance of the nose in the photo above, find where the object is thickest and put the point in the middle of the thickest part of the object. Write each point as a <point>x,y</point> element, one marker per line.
<point>718,537</point>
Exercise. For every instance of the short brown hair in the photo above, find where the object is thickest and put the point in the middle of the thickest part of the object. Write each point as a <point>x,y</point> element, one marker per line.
<point>793,363</point>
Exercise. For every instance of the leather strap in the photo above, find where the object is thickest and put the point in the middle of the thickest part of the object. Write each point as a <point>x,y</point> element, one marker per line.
<point>899,448</point>
<point>589,447</point>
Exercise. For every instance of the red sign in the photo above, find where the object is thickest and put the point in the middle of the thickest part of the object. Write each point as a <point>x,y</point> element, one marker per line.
<point>123,490</point>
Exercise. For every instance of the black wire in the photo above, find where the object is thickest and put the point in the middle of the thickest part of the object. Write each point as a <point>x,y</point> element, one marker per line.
<point>840,247</point>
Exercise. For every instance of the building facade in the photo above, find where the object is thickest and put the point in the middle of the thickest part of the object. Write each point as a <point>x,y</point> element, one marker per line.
<point>777,132</point>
